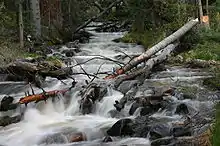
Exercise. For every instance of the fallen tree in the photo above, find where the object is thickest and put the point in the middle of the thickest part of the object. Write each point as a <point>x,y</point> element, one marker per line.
<point>161,45</point>
<point>160,57</point>
<point>97,16</point>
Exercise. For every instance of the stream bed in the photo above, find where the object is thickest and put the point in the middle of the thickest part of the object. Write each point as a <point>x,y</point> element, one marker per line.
<point>51,122</point>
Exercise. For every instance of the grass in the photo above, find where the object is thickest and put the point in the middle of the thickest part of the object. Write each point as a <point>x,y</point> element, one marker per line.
<point>147,39</point>
<point>9,51</point>
<point>208,47</point>
<point>216,130</point>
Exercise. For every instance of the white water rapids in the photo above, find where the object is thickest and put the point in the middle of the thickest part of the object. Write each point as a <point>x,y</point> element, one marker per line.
<point>43,119</point>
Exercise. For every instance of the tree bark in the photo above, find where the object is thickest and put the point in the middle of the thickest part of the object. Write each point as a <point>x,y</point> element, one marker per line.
<point>160,57</point>
<point>207,13</point>
<point>21,26</point>
<point>97,16</point>
<point>35,7</point>
<point>173,37</point>
<point>200,10</point>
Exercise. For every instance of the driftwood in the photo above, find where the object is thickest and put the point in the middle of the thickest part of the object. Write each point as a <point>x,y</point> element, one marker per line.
<point>29,70</point>
<point>163,55</point>
<point>97,16</point>
<point>91,93</point>
<point>150,52</point>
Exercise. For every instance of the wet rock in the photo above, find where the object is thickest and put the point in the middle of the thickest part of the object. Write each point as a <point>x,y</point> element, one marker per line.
<point>162,141</point>
<point>107,139</point>
<point>134,107</point>
<point>74,44</point>
<point>6,104</point>
<point>159,130</point>
<point>7,100</point>
<point>182,109</point>
<point>54,139</point>
<point>122,127</point>
<point>84,40</point>
<point>86,106</point>
<point>142,126</point>
<point>76,137</point>
<point>118,106</point>
<point>6,120</point>
<point>81,34</point>
<point>114,113</point>
<point>69,52</point>
<point>125,86</point>
<point>182,131</point>
<point>146,111</point>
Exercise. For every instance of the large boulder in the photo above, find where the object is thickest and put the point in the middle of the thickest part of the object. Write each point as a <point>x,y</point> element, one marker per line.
<point>6,120</point>
<point>123,127</point>
<point>160,130</point>
<point>125,86</point>
<point>6,104</point>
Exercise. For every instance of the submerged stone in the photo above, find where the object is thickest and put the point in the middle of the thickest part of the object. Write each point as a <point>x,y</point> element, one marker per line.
<point>182,109</point>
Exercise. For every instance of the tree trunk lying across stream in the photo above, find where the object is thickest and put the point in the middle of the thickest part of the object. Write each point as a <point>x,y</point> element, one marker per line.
<point>146,70</point>
<point>161,45</point>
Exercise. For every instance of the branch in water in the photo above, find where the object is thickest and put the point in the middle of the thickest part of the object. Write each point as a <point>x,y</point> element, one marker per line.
<point>101,58</point>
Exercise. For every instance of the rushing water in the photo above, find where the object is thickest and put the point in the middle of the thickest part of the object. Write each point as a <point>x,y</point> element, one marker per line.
<point>44,119</point>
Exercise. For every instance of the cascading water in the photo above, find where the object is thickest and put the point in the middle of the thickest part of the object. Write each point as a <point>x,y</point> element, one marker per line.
<point>62,115</point>
<point>42,119</point>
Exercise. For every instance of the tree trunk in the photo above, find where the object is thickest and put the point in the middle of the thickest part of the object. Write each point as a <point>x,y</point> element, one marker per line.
<point>35,7</point>
<point>200,10</point>
<point>173,37</point>
<point>160,57</point>
<point>21,26</point>
<point>207,14</point>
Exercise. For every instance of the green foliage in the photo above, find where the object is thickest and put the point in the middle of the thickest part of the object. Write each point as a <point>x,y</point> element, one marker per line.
<point>216,131</point>
<point>207,48</point>
<point>32,55</point>
<point>214,82</point>
<point>147,39</point>
<point>218,5</point>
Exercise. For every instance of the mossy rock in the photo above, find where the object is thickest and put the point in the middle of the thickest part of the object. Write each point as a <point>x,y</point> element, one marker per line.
<point>54,61</point>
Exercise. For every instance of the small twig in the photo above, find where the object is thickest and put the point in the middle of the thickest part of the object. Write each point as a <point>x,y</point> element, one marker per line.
<point>31,88</point>
<point>124,54</point>
<point>101,58</point>
<point>97,72</point>
<point>83,69</point>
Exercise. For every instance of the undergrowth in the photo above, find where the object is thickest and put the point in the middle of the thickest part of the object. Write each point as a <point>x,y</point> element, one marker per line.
<point>9,51</point>
<point>216,131</point>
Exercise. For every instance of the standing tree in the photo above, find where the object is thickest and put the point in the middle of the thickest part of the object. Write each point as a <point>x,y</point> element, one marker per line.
<point>35,7</point>
<point>200,10</point>
<point>21,25</point>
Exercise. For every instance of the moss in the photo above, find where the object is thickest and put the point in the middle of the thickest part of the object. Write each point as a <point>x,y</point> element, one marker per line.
<point>216,130</point>
<point>32,55</point>
<point>54,61</point>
